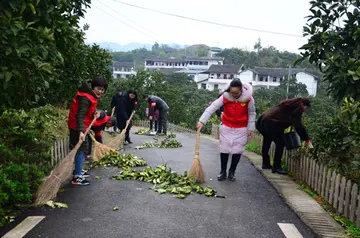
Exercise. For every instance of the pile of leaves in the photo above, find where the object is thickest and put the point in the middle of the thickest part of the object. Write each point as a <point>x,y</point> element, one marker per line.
<point>168,142</point>
<point>166,181</point>
<point>142,132</point>
<point>119,160</point>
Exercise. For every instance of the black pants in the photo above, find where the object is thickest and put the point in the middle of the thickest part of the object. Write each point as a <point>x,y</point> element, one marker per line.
<point>272,132</point>
<point>127,133</point>
<point>162,127</point>
<point>155,124</point>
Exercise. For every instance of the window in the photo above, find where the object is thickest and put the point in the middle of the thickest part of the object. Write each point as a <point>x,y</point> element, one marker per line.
<point>218,76</point>
<point>231,76</point>
<point>203,85</point>
<point>216,86</point>
<point>118,76</point>
<point>274,79</point>
<point>225,76</point>
<point>261,79</point>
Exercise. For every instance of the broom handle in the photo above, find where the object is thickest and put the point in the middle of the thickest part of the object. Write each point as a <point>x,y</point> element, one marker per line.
<point>127,124</point>
<point>86,132</point>
<point>197,145</point>
<point>92,136</point>
<point>113,111</point>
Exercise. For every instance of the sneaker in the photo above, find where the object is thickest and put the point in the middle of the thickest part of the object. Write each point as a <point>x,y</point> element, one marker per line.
<point>84,173</point>
<point>80,180</point>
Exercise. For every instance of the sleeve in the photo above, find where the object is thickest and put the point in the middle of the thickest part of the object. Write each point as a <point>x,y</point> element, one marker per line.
<point>252,115</point>
<point>122,109</point>
<point>84,105</point>
<point>216,105</point>
<point>113,102</point>
<point>300,129</point>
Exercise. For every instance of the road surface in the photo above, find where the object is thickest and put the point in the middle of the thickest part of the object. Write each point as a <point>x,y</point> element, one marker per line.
<point>252,208</point>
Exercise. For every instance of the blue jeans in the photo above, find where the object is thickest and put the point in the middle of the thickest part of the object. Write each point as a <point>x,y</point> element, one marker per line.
<point>79,160</point>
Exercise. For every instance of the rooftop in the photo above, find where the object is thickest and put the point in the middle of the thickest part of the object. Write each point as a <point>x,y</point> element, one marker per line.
<point>123,64</point>
<point>277,72</point>
<point>226,68</point>
<point>172,59</point>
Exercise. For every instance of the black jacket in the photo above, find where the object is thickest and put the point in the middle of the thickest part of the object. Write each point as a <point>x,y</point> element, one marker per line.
<point>124,107</point>
<point>160,104</point>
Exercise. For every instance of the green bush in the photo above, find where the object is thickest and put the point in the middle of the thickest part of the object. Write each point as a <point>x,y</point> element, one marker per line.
<point>25,139</point>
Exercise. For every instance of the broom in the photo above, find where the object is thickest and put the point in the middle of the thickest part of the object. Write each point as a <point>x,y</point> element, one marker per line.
<point>51,184</point>
<point>118,141</point>
<point>98,150</point>
<point>196,169</point>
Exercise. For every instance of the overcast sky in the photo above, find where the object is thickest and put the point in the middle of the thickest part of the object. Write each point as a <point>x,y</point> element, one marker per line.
<point>285,16</point>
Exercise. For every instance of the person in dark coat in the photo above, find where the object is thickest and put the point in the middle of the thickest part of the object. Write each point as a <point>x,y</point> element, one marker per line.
<point>114,101</point>
<point>124,108</point>
<point>100,124</point>
<point>156,103</point>
<point>272,125</point>
<point>82,113</point>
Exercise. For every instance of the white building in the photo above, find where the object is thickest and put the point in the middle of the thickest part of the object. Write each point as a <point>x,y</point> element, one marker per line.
<point>123,70</point>
<point>271,77</point>
<point>191,66</point>
<point>218,77</point>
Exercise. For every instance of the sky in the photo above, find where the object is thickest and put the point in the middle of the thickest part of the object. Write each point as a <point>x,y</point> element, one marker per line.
<point>111,21</point>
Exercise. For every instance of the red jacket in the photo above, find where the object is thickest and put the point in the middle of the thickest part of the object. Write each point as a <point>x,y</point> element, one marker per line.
<point>235,114</point>
<point>74,108</point>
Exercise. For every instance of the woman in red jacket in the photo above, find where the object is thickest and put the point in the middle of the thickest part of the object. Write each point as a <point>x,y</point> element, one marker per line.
<point>237,123</point>
<point>82,112</point>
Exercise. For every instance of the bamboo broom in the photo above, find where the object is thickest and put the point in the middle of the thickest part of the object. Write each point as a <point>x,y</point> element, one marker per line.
<point>118,141</point>
<point>196,169</point>
<point>63,171</point>
<point>98,150</point>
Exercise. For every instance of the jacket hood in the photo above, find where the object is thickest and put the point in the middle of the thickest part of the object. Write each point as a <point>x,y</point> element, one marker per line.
<point>247,92</point>
<point>86,88</point>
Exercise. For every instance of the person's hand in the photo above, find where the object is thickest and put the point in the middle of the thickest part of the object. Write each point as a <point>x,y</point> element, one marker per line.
<point>82,136</point>
<point>199,125</point>
<point>310,145</point>
<point>250,134</point>
<point>150,118</point>
<point>97,114</point>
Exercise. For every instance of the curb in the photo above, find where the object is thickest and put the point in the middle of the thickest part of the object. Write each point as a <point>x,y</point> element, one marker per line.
<point>309,211</point>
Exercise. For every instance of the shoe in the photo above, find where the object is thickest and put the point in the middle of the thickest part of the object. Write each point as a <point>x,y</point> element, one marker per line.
<point>279,171</point>
<point>266,166</point>
<point>83,173</point>
<point>80,180</point>
<point>222,176</point>
<point>231,176</point>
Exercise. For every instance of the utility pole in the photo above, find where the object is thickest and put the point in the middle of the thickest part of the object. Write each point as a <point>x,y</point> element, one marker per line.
<point>288,82</point>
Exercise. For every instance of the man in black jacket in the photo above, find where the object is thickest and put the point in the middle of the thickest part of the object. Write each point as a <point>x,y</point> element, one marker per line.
<point>124,108</point>
<point>159,104</point>
<point>115,100</point>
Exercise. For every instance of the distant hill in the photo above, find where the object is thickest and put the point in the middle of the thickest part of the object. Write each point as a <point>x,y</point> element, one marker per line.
<point>113,46</point>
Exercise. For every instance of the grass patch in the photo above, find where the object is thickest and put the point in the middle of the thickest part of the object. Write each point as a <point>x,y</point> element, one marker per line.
<point>253,147</point>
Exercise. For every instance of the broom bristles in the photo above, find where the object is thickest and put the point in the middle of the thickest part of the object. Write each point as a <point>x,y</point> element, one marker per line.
<point>51,185</point>
<point>100,150</point>
<point>197,171</point>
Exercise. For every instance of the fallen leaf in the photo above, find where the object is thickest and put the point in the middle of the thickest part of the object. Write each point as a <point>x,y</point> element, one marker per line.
<point>97,177</point>
<point>115,208</point>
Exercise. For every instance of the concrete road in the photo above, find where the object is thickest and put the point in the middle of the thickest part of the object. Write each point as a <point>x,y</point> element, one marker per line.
<point>252,208</point>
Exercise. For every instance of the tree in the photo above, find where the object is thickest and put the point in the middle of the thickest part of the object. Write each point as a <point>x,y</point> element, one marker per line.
<point>44,57</point>
<point>257,45</point>
<point>333,45</point>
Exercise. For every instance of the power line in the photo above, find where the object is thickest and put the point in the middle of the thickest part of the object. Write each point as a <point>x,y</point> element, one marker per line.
<point>152,33</point>
<point>208,22</point>
<point>126,24</point>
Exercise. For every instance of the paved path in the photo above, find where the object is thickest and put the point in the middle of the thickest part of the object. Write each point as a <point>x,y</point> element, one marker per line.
<point>252,208</point>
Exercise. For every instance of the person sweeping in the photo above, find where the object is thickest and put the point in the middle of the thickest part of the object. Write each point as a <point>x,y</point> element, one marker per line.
<point>237,123</point>
<point>272,124</point>
<point>82,113</point>
<point>100,124</point>
<point>157,103</point>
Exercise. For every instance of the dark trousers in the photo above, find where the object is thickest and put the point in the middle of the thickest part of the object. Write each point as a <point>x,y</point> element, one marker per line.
<point>271,132</point>
<point>155,125</point>
<point>162,127</point>
<point>127,133</point>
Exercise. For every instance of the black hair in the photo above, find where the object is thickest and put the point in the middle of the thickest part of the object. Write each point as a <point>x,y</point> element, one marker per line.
<point>99,81</point>
<point>132,91</point>
<point>235,83</point>
<point>119,90</point>
<point>145,96</point>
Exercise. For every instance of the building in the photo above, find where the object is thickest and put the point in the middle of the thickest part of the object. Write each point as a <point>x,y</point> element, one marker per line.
<point>123,69</point>
<point>219,77</point>
<point>271,77</point>
<point>192,66</point>
<point>213,51</point>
